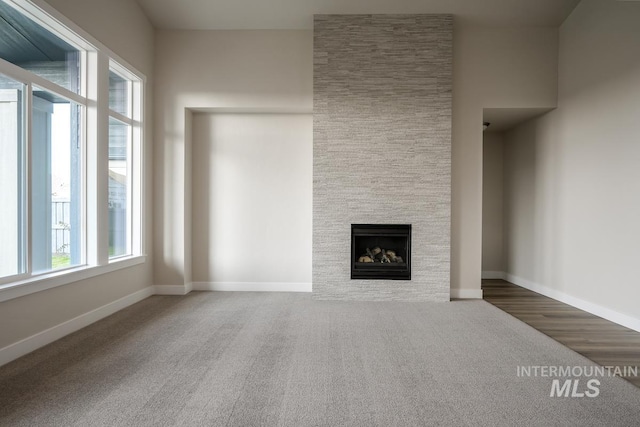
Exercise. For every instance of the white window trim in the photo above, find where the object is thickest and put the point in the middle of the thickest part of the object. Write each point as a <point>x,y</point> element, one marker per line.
<point>57,278</point>
<point>97,59</point>
<point>27,77</point>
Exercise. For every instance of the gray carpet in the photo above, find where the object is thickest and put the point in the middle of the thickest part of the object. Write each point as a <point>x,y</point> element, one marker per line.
<point>250,359</point>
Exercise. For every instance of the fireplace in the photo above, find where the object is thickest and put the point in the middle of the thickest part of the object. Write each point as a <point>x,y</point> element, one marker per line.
<point>381,251</point>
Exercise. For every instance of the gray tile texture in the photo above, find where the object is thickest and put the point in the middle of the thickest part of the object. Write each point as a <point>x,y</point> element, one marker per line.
<point>382,148</point>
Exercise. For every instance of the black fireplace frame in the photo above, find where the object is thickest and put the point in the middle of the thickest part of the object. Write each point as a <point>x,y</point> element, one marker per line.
<point>379,271</point>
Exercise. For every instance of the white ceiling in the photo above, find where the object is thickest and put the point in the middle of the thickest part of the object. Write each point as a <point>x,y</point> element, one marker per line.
<point>298,14</point>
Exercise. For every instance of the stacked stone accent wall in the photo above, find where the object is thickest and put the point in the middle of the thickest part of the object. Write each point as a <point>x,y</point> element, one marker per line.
<point>382,148</point>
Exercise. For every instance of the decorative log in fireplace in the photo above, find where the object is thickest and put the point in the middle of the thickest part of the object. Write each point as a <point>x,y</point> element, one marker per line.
<point>381,251</point>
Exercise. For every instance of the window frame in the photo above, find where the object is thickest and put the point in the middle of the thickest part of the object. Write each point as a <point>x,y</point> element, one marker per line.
<point>95,61</point>
<point>82,193</point>
<point>23,182</point>
<point>29,80</point>
<point>134,153</point>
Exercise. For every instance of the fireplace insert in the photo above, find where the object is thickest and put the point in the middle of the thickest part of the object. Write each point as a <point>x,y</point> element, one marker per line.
<point>381,251</point>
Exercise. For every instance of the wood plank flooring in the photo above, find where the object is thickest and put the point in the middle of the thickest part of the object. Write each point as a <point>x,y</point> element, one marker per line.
<point>602,341</point>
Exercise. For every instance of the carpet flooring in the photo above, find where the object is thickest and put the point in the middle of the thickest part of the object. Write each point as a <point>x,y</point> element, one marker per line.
<point>284,359</point>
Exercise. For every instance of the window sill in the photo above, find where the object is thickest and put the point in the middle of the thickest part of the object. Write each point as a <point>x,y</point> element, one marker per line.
<point>52,280</point>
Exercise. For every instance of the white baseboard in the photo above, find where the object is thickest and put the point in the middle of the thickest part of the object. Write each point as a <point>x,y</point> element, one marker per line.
<point>466,293</point>
<point>252,286</point>
<point>173,289</point>
<point>34,342</point>
<point>494,275</point>
<point>598,310</point>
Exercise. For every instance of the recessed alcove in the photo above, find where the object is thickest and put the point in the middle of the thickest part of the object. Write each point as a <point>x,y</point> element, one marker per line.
<point>251,206</point>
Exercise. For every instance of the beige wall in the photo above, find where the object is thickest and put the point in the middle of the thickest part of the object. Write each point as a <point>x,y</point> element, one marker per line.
<point>573,198</point>
<point>502,67</point>
<point>493,68</point>
<point>133,41</point>
<point>492,206</point>
<point>238,71</point>
<point>121,25</point>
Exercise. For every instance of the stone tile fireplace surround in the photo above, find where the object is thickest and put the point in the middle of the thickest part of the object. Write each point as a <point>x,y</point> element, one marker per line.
<point>382,148</point>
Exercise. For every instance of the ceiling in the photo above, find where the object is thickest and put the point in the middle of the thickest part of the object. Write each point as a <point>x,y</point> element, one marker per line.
<point>298,14</point>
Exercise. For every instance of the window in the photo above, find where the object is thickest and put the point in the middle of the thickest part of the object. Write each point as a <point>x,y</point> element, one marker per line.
<point>45,225</point>
<point>12,167</point>
<point>124,125</point>
<point>119,188</point>
<point>56,182</point>
<point>33,47</point>
<point>51,163</point>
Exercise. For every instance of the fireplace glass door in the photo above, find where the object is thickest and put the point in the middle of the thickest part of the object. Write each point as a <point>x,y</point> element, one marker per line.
<point>381,251</point>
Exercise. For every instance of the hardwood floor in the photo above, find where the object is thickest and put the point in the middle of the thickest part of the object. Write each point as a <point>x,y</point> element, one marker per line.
<point>602,341</point>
